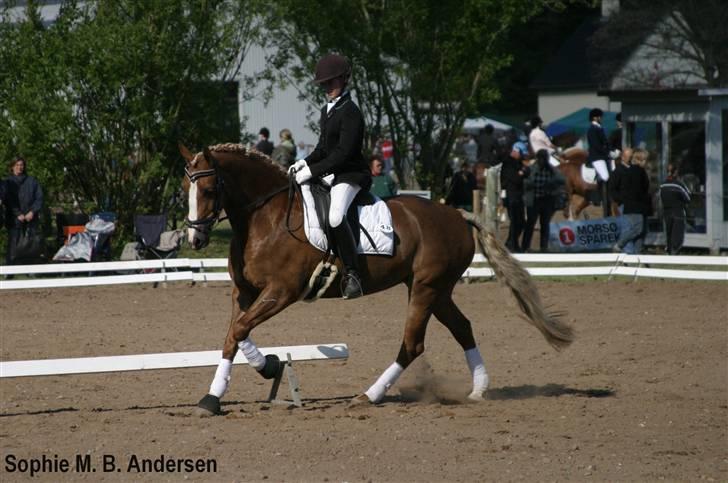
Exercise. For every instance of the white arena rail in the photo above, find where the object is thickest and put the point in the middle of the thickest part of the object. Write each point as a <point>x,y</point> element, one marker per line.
<point>215,269</point>
<point>172,360</point>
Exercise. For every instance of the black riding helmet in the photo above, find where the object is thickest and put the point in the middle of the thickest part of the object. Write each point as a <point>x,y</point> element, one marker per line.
<point>596,112</point>
<point>330,67</point>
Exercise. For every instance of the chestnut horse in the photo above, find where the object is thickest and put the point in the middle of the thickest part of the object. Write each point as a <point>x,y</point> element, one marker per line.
<point>271,262</point>
<point>572,160</point>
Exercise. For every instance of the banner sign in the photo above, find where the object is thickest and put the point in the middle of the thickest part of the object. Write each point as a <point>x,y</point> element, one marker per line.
<point>591,235</point>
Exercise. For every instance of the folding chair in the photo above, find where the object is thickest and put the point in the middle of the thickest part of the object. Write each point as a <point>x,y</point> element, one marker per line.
<point>68,224</point>
<point>153,241</point>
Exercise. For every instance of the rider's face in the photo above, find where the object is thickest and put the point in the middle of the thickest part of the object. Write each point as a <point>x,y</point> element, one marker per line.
<point>333,87</point>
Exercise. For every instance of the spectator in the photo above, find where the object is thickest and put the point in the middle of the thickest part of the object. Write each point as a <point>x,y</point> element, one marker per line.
<point>615,137</point>
<point>674,197</point>
<point>487,146</point>
<point>513,173</point>
<point>599,154</point>
<point>285,153</point>
<point>23,202</point>
<point>264,146</point>
<point>302,150</point>
<point>383,185</point>
<point>634,195</point>
<point>462,184</point>
<point>541,189</point>
<point>538,140</point>
<point>614,179</point>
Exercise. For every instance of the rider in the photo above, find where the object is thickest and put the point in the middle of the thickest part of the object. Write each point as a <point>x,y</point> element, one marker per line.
<point>339,152</point>
<point>538,140</point>
<point>599,153</point>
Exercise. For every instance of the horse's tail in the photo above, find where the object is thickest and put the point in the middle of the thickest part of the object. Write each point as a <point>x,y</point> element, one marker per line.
<point>510,272</point>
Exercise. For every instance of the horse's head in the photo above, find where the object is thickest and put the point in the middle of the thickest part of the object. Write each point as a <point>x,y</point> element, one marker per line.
<point>203,185</point>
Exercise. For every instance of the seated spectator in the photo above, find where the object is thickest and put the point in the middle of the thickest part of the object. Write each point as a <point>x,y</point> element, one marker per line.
<point>263,145</point>
<point>383,185</point>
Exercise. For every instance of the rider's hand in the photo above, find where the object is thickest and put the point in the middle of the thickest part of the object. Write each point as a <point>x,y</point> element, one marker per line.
<point>298,166</point>
<point>29,216</point>
<point>303,175</point>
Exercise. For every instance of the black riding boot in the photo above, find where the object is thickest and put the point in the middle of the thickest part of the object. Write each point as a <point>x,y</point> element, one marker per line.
<point>350,280</point>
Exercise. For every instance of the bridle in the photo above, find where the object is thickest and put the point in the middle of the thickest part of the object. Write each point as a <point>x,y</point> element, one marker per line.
<point>205,224</point>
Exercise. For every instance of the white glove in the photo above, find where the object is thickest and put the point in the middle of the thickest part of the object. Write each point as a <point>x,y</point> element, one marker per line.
<point>615,154</point>
<point>298,166</point>
<point>303,175</point>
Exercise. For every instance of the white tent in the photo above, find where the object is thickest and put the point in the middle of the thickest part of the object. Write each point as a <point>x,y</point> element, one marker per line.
<point>474,125</point>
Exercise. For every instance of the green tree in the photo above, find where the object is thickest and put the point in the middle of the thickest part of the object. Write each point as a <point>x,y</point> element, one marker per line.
<point>97,100</point>
<point>420,68</point>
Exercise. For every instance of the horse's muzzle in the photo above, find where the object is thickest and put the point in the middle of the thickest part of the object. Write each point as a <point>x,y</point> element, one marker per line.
<point>198,239</point>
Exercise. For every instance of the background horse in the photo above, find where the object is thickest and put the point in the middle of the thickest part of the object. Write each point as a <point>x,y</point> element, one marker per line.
<point>271,262</point>
<point>572,160</point>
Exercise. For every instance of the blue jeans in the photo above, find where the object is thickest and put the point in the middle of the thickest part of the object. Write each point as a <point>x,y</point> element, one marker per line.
<point>632,239</point>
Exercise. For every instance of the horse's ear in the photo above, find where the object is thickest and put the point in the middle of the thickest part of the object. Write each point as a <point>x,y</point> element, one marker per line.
<point>189,157</point>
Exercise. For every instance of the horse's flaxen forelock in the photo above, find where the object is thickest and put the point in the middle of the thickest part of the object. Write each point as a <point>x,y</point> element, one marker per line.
<point>252,153</point>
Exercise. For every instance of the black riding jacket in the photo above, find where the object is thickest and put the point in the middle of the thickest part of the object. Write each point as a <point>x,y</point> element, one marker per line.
<point>339,149</point>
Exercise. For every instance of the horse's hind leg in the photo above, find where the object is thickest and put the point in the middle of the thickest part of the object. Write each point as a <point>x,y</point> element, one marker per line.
<point>413,344</point>
<point>459,326</point>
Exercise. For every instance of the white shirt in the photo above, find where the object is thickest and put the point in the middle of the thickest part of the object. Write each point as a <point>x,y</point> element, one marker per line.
<point>330,105</point>
<point>539,140</point>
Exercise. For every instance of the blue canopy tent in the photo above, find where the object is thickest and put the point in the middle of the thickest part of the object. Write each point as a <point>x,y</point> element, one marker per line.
<point>578,123</point>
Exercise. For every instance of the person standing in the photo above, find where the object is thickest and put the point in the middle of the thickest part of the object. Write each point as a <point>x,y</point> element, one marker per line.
<point>285,153</point>
<point>614,179</point>
<point>383,185</point>
<point>634,195</point>
<point>264,145</point>
<point>462,185</point>
<point>486,146</point>
<point>599,154</point>
<point>339,152</point>
<point>513,172</point>
<point>541,188</point>
<point>674,196</point>
<point>23,202</point>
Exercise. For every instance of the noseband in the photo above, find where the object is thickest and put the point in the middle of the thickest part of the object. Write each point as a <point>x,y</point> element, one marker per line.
<point>205,224</point>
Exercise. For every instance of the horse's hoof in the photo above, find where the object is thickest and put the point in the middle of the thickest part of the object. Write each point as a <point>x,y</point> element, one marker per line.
<point>208,406</point>
<point>360,400</point>
<point>272,367</point>
<point>476,397</point>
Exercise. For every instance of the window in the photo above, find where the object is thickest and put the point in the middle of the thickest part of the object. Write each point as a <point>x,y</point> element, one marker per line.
<point>686,151</point>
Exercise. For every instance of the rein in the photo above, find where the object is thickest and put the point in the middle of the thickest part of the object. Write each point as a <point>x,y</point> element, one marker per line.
<point>205,224</point>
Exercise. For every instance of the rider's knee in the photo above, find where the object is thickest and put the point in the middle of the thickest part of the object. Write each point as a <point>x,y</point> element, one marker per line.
<point>336,216</point>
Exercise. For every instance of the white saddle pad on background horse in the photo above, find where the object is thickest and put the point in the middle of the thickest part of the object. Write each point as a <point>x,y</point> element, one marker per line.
<point>589,175</point>
<point>376,220</point>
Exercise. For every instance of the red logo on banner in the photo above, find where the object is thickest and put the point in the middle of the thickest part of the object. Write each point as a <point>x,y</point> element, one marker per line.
<point>566,235</point>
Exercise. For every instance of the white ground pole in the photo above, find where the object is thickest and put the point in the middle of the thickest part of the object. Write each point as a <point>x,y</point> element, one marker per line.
<point>173,360</point>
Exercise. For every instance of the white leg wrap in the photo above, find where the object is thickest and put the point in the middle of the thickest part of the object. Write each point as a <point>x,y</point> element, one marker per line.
<point>477,369</point>
<point>220,384</point>
<point>256,359</point>
<point>385,381</point>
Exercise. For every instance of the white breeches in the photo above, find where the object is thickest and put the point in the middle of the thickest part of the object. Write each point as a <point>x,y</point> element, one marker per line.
<point>342,195</point>
<point>602,171</point>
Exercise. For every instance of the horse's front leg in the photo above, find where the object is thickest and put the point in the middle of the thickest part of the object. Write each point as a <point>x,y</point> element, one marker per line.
<point>265,306</point>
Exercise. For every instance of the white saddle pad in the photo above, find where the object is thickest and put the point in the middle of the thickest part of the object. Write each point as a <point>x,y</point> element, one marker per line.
<point>589,175</point>
<point>376,219</point>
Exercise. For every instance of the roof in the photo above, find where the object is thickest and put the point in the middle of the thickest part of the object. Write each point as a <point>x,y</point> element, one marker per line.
<point>578,123</point>
<point>571,66</point>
